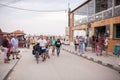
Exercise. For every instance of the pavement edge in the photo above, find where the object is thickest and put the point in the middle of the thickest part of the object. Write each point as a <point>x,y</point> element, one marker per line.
<point>94,60</point>
<point>6,77</point>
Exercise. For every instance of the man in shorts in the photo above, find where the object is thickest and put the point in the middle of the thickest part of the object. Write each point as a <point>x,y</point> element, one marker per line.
<point>42,42</point>
<point>14,42</point>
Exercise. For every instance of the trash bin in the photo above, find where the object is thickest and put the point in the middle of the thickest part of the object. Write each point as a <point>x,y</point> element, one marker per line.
<point>116,47</point>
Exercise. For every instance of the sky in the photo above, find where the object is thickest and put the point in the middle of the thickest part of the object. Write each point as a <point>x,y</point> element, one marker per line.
<point>33,22</point>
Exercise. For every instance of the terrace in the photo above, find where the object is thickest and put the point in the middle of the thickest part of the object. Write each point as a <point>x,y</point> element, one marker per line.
<point>96,10</point>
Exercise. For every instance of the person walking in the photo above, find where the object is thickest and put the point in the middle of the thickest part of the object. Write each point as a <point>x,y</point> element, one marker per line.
<point>9,48</point>
<point>5,44</point>
<point>33,40</point>
<point>14,42</point>
<point>47,47</point>
<point>42,42</point>
<point>58,45</point>
<point>53,45</point>
<point>28,42</point>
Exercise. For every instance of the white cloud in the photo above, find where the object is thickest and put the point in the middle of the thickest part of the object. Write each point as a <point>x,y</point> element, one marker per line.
<point>34,22</point>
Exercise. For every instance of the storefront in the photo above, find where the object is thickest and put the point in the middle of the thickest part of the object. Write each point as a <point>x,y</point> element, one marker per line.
<point>99,17</point>
<point>102,31</point>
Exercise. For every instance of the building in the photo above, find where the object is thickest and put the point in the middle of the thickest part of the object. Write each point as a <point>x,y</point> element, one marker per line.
<point>97,17</point>
<point>1,35</point>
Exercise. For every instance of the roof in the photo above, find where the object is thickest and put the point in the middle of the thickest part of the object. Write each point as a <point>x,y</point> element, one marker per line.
<point>6,33</point>
<point>1,33</point>
<point>18,32</point>
<point>80,6</point>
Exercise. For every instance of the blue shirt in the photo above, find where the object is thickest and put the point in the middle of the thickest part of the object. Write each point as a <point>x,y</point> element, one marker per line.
<point>14,42</point>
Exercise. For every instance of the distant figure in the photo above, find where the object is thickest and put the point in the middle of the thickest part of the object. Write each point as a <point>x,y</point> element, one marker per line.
<point>101,42</point>
<point>9,48</point>
<point>28,42</point>
<point>81,45</point>
<point>106,42</point>
<point>33,41</point>
<point>119,56</point>
<point>93,42</point>
<point>86,42</point>
<point>58,45</point>
<point>47,47</point>
<point>53,45</point>
<point>24,42</point>
<point>76,43</point>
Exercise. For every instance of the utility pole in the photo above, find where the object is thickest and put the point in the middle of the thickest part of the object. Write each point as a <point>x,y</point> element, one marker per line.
<point>68,14</point>
<point>69,20</point>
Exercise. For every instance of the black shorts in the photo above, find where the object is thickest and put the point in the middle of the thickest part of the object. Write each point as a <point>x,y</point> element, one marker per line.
<point>76,44</point>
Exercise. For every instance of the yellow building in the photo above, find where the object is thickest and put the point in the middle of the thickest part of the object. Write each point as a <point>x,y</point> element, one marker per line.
<point>97,17</point>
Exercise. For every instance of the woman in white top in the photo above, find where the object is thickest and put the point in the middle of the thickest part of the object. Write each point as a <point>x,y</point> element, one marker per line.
<point>106,42</point>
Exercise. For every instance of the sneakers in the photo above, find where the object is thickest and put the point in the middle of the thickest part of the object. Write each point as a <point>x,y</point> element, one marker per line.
<point>16,58</point>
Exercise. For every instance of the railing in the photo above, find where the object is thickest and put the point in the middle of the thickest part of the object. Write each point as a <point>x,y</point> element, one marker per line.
<point>103,15</point>
<point>91,18</point>
<point>107,14</point>
<point>99,16</point>
<point>80,21</point>
<point>117,11</point>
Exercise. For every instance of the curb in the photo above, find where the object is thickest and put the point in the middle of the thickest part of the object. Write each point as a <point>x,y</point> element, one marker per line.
<point>114,67</point>
<point>7,75</point>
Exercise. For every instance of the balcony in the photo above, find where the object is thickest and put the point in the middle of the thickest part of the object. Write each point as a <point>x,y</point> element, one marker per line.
<point>117,11</point>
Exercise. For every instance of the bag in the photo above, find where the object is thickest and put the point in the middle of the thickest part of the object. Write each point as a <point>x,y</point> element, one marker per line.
<point>33,52</point>
<point>37,47</point>
<point>8,54</point>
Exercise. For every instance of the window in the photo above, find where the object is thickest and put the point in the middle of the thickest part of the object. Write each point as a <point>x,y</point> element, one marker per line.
<point>103,5</point>
<point>117,2</point>
<point>116,31</point>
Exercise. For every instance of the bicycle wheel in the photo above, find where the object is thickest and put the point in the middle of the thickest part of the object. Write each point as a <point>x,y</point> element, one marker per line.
<point>37,60</point>
<point>37,57</point>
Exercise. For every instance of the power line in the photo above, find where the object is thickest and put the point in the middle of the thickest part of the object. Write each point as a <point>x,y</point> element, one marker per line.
<point>14,1</point>
<point>32,9</point>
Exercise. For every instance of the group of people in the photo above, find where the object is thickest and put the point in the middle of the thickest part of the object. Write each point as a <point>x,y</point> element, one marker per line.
<point>81,43</point>
<point>27,41</point>
<point>45,43</point>
<point>9,46</point>
<point>98,44</point>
